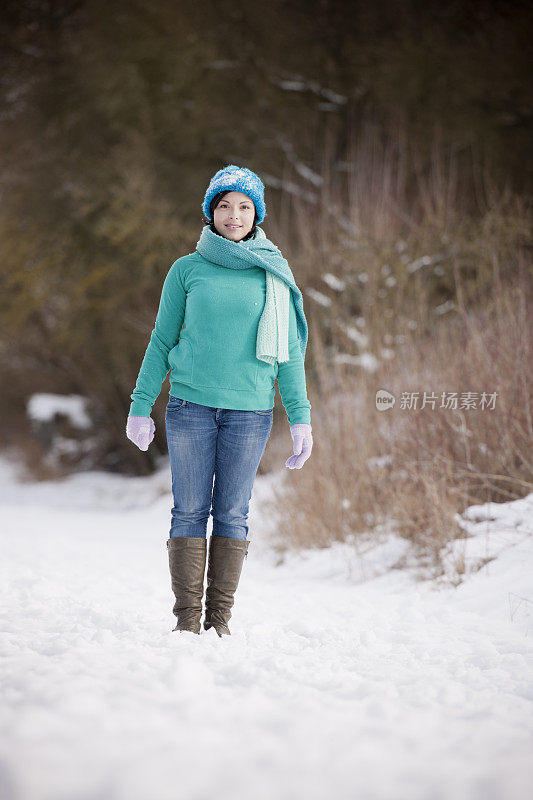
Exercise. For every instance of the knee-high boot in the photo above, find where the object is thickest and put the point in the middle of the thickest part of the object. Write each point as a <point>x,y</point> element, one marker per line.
<point>187,557</point>
<point>226,557</point>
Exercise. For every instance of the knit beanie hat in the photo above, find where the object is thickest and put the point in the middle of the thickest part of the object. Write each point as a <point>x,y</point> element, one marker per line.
<point>237,179</point>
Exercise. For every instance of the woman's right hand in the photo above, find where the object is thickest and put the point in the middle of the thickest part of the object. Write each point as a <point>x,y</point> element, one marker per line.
<point>140,430</point>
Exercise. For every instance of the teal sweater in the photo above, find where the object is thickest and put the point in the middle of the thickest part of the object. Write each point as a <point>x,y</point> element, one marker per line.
<point>206,332</point>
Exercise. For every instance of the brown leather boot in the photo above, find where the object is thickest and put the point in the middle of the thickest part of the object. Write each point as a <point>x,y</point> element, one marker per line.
<point>186,557</point>
<point>226,557</point>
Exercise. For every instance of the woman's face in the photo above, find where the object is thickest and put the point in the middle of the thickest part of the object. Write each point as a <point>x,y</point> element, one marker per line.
<point>234,216</point>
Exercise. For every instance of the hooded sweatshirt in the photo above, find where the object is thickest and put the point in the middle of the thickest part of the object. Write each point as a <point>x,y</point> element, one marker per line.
<point>205,333</point>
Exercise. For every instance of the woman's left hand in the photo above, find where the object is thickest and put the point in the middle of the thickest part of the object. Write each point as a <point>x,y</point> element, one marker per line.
<point>302,444</point>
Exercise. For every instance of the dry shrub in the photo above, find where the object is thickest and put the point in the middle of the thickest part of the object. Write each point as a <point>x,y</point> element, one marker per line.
<point>456,318</point>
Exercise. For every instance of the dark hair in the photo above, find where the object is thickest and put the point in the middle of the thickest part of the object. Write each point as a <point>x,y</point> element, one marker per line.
<point>213,204</point>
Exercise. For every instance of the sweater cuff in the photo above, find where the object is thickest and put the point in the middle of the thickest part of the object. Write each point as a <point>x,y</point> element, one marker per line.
<point>300,416</point>
<point>140,408</point>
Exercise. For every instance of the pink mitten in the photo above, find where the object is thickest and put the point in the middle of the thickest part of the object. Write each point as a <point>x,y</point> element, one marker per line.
<point>140,430</point>
<point>302,443</point>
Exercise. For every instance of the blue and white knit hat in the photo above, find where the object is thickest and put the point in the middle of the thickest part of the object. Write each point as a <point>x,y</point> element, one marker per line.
<point>237,179</point>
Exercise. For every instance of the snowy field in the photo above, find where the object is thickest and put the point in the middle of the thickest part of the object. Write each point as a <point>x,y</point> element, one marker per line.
<point>343,678</point>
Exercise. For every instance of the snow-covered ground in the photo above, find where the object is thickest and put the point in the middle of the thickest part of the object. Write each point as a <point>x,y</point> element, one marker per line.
<point>343,678</point>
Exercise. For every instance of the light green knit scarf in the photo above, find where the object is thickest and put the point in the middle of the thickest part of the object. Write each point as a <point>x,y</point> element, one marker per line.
<point>273,329</point>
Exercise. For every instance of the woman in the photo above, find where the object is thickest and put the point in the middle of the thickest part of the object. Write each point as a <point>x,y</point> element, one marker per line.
<point>230,322</point>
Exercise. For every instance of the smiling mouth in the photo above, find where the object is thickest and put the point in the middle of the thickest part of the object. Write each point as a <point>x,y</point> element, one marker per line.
<point>233,226</point>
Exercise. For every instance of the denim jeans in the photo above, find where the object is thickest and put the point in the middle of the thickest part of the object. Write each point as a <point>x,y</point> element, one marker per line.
<point>220,443</point>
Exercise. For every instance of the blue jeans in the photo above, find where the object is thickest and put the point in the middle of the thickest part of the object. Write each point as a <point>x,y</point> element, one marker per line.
<point>206,442</point>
